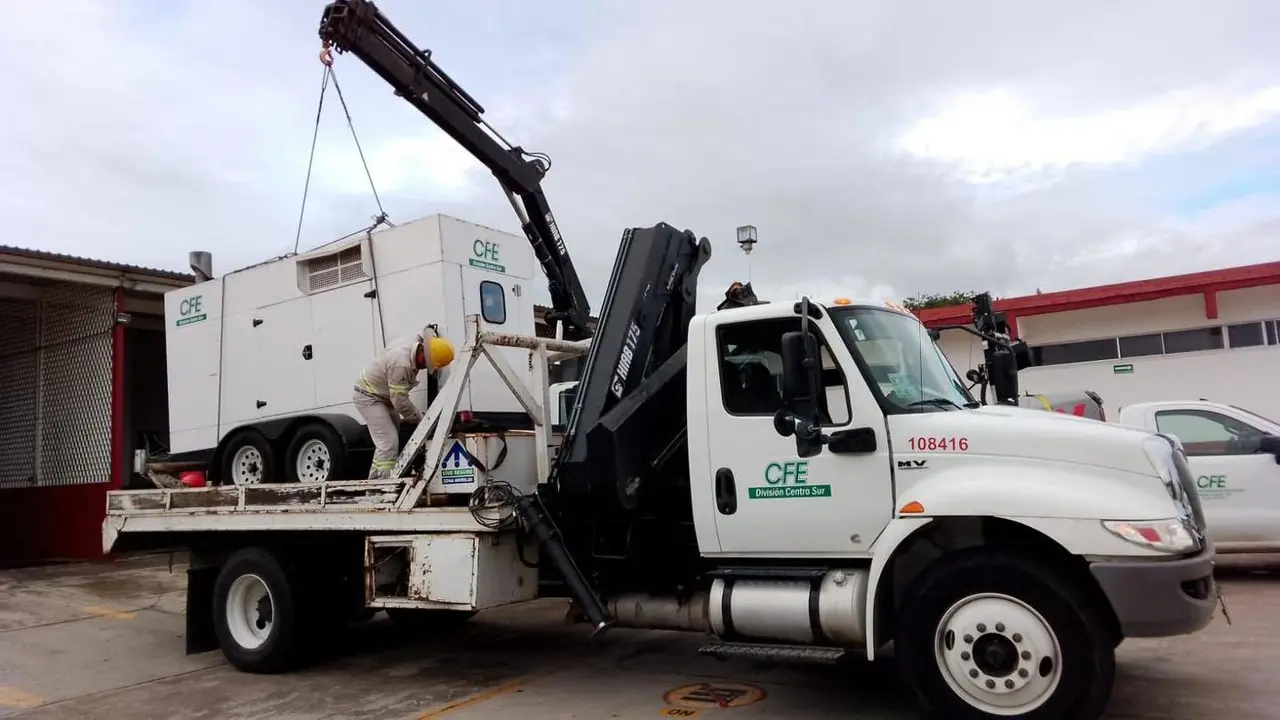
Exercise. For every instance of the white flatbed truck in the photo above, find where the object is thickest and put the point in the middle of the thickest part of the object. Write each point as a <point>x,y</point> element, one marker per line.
<point>799,481</point>
<point>1004,568</point>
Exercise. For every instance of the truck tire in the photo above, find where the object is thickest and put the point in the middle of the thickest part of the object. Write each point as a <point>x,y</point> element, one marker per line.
<point>247,459</point>
<point>428,621</point>
<point>985,634</point>
<point>255,616</point>
<point>315,454</point>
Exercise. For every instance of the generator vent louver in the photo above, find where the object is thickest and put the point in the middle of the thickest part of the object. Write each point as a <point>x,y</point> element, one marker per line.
<point>340,268</point>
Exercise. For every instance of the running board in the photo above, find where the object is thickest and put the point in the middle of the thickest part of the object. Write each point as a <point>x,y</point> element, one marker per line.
<point>781,653</point>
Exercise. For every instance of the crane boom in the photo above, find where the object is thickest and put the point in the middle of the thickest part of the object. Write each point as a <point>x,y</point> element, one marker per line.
<point>358,27</point>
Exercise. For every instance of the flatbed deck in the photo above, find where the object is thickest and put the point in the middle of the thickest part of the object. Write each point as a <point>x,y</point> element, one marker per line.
<point>358,518</point>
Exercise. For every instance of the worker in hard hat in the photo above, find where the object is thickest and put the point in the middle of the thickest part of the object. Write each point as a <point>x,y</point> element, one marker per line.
<point>382,394</point>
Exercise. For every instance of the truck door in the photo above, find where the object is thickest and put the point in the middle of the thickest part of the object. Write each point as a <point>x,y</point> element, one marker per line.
<point>1239,486</point>
<point>782,504</point>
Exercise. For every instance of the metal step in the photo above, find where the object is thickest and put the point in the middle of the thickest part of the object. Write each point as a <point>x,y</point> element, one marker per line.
<point>778,653</point>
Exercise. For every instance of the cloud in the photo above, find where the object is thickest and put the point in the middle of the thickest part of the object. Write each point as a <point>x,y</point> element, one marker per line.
<point>882,147</point>
<point>993,133</point>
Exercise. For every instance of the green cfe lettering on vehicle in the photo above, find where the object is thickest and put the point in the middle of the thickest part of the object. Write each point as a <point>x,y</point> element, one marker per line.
<point>189,311</point>
<point>1212,482</point>
<point>485,255</point>
<point>788,479</point>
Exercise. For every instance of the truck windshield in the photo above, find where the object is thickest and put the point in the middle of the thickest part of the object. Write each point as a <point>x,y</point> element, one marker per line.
<point>908,371</point>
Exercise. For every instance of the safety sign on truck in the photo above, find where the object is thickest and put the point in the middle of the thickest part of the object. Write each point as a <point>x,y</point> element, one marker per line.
<point>456,467</point>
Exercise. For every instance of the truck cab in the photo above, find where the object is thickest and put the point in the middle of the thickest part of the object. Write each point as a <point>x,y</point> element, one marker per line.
<point>901,437</point>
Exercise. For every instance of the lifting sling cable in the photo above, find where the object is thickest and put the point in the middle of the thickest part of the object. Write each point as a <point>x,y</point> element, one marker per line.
<point>326,59</point>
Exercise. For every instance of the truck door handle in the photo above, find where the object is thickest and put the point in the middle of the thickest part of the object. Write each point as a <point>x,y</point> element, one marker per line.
<point>726,492</point>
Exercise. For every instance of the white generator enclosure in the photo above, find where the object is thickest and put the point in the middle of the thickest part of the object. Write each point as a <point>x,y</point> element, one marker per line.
<point>289,336</point>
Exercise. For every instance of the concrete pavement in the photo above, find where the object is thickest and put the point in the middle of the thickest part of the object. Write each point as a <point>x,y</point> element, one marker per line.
<point>106,641</point>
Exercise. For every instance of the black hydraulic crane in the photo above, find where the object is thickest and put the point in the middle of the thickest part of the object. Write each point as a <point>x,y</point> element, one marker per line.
<point>358,27</point>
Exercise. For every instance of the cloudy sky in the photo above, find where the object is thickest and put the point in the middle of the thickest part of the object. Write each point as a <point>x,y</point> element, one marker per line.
<point>884,147</point>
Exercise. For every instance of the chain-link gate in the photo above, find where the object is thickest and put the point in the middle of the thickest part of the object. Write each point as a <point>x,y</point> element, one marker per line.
<point>55,378</point>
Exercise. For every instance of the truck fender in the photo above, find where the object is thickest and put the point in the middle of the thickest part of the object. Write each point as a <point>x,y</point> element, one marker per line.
<point>894,534</point>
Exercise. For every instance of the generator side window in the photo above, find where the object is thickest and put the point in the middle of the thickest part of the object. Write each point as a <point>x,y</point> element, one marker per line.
<point>493,302</point>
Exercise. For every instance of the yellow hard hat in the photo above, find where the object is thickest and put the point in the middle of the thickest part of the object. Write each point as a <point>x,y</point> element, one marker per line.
<point>439,352</point>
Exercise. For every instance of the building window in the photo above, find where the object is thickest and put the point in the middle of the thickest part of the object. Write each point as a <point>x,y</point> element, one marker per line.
<point>493,303</point>
<point>1246,335</point>
<point>1193,340</point>
<point>1075,352</point>
<point>1141,345</point>
<point>1204,432</point>
<point>1273,332</point>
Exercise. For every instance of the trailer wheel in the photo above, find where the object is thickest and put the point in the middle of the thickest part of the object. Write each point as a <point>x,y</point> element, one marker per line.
<point>428,621</point>
<point>254,614</point>
<point>247,459</point>
<point>982,634</point>
<point>316,454</point>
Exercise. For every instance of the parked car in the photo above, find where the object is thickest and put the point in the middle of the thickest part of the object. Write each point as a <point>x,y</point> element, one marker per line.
<point>1235,455</point>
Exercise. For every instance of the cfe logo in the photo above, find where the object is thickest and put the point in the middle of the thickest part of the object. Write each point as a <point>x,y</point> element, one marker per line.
<point>1212,482</point>
<point>789,479</point>
<point>485,255</point>
<point>189,310</point>
<point>797,471</point>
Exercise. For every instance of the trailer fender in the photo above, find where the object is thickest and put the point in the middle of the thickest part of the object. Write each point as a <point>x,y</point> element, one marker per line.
<point>882,553</point>
<point>352,431</point>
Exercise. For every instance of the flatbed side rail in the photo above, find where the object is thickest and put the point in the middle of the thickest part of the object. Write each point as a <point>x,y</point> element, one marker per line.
<point>340,496</point>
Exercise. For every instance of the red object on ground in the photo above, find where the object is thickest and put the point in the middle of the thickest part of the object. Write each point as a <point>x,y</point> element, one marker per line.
<point>192,478</point>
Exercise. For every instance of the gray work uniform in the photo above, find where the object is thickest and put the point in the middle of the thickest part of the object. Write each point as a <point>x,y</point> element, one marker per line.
<point>381,396</point>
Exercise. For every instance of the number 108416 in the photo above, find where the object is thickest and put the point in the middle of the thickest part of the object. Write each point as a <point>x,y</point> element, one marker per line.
<point>939,444</point>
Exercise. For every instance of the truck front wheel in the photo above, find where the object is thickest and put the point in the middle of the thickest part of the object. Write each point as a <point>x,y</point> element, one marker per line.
<point>984,634</point>
<point>254,614</point>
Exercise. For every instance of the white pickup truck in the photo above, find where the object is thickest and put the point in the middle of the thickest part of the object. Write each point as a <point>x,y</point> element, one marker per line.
<point>1235,456</point>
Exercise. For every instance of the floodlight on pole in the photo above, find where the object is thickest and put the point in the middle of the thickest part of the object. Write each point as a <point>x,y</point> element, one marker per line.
<point>747,238</point>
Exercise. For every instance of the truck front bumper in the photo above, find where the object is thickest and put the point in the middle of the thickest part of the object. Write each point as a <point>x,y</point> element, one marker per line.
<point>1160,598</point>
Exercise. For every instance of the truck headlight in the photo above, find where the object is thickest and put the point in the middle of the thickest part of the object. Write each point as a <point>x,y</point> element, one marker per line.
<point>1171,536</point>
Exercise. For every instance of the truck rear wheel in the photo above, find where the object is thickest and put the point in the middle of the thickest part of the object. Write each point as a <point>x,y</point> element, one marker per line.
<point>984,634</point>
<point>254,612</point>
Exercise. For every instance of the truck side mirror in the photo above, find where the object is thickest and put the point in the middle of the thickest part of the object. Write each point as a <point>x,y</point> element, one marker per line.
<point>801,372</point>
<point>801,383</point>
<point>1270,444</point>
<point>1003,372</point>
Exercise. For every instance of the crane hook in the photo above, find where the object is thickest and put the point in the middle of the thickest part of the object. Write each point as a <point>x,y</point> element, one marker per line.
<point>326,54</point>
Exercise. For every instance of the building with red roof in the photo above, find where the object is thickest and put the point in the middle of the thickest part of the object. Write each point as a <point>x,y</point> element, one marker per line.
<point>1212,335</point>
